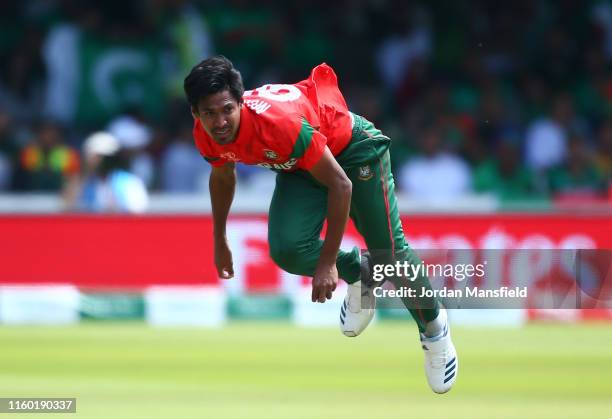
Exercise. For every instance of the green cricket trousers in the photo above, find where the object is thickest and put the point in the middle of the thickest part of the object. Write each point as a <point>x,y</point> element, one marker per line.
<point>299,209</point>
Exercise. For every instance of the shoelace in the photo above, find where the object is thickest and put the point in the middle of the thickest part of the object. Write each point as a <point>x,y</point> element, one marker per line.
<point>438,360</point>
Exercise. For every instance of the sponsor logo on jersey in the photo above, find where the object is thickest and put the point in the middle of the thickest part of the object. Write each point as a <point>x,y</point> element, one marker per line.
<point>270,155</point>
<point>288,165</point>
<point>365,173</point>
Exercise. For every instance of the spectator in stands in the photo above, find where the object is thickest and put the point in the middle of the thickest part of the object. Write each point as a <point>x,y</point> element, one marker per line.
<point>578,177</point>
<point>62,57</point>
<point>459,63</point>
<point>406,48</point>
<point>546,141</point>
<point>46,163</point>
<point>22,74</point>
<point>107,185</point>
<point>503,175</point>
<point>601,16</point>
<point>435,174</point>
<point>603,157</point>
<point>134,137</point>
<point>188,36</point>
<point>183,169</point>
<point>253,34</point>
<point>9,151</point>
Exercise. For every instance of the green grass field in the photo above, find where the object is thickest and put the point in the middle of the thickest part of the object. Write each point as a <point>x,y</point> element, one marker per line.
<point>262,370</point>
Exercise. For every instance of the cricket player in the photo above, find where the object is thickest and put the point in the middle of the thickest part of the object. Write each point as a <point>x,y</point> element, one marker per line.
<point>332,165</point>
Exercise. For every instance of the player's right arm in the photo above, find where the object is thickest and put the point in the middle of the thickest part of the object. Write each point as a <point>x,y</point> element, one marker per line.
<point>222,184</point>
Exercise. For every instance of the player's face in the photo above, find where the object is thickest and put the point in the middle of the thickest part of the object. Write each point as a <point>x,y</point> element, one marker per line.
<point>219,114</point>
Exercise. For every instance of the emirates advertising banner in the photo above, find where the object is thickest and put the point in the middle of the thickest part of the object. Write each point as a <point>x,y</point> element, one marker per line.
<point>473,261</point>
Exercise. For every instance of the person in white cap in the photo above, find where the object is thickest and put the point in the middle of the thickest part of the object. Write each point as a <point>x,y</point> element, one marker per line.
<point>107,185</point>
<point>134,137</point>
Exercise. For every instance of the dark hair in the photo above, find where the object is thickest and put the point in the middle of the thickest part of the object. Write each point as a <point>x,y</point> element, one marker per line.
<point>109,164</point>
<point>213,75</point>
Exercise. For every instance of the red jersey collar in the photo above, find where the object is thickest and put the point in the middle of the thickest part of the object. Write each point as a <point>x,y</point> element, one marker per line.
<point>244,130</point>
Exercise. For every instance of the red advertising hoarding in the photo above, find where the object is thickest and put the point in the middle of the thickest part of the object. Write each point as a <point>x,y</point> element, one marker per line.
<point>128,252</point>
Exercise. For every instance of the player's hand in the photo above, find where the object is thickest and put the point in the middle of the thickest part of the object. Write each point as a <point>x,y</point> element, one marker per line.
<point>223,260</point>
<point>324,283</point>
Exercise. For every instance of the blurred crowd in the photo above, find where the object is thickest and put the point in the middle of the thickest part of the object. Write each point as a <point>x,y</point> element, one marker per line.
<point>512,99</point>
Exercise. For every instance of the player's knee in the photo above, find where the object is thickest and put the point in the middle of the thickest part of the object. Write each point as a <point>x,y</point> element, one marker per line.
<point>287,256</point>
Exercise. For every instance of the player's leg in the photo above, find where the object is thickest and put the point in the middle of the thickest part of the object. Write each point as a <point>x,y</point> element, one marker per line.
<point>375,213</point>
<point>376,216</point>
<point>297,213</point>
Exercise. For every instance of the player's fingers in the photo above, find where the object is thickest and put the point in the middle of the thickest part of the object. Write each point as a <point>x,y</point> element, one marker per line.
<point>318,294</point>
<point>315,295</point>
<point>323,295</point>
<point>329,294</point>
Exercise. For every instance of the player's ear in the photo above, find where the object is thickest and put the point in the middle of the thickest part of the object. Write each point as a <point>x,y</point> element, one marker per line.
<point>194,113</point>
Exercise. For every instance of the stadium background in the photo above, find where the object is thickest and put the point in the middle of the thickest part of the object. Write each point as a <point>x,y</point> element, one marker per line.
<point>505,107</point>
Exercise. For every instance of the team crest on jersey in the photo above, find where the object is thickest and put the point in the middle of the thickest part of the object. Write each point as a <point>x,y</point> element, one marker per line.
<point>270,155</point>
<point>229,156</point>
<point>365,173</point>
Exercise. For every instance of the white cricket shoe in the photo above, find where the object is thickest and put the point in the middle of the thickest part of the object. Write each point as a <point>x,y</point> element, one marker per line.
<point>441,362</point>
<point>353,318</point>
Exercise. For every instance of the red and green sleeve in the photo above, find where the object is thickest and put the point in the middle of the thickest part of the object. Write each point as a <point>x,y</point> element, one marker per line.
<point>309,146</point>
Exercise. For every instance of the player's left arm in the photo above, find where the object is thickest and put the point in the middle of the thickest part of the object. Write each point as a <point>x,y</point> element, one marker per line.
<point>329,173</point>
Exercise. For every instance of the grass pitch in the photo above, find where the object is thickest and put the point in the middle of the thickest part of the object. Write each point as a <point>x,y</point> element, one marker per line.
<point>263,370</point>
